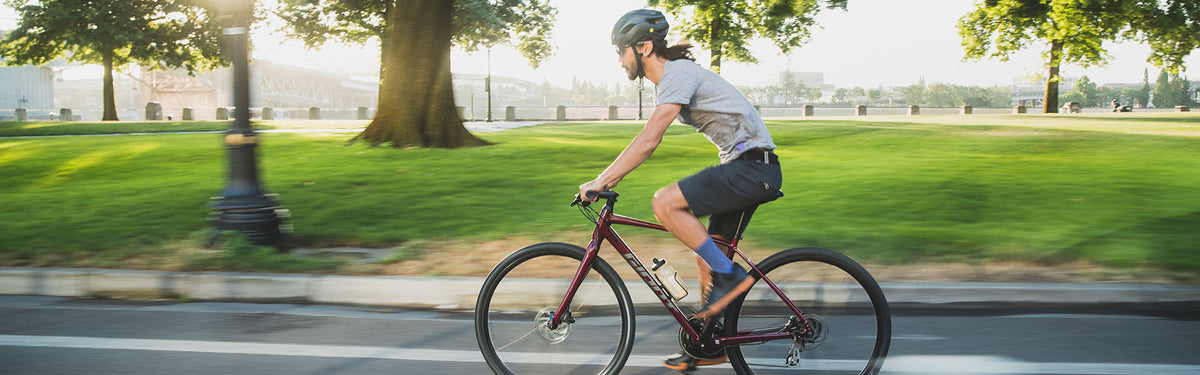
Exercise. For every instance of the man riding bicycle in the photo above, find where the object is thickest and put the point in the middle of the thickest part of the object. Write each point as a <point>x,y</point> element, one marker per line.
<point>728,193</point>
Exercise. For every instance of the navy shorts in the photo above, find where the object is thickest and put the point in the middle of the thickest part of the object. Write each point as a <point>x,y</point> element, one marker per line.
<point>729,193</point>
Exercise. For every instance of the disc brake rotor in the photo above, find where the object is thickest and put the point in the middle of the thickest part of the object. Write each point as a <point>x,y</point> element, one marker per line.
<point>541,323</point>
<point>820,331</point>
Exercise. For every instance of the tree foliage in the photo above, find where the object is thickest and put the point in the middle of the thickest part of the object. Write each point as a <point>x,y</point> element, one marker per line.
<point>1085,92</point>
<point>726,26</point>
<point>789,89</point>
<point>1172,89</point>
<point>524,24</point>
<point>155,33</point>
<point>407,41</point>
<point>1074,31</point>
<point>947,95</point>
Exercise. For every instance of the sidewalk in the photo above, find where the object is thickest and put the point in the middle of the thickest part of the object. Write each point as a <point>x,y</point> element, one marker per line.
<point>460,292</point>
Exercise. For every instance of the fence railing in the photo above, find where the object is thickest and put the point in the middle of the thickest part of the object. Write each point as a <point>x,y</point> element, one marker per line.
<point>509,113</point>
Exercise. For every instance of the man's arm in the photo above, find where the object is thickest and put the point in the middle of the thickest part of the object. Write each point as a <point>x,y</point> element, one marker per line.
<point>637,151</point>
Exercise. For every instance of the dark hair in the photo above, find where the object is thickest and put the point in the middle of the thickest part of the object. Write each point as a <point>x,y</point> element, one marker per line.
<point>675,52</point>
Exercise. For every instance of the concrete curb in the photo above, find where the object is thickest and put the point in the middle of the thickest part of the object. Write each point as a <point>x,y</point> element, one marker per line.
<point>460,292</point>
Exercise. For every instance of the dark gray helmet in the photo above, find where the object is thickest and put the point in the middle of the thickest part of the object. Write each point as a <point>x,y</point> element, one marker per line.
<point>638,26</point>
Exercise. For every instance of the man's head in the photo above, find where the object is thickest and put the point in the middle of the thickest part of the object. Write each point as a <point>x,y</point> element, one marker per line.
<point>635,29</point>
<point>639,25</point>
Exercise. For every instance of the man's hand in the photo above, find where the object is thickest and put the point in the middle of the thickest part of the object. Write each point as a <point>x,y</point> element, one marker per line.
<point>592,185</point>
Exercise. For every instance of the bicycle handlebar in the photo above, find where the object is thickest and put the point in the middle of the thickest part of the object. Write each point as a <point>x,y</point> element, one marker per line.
<point>592,195</point>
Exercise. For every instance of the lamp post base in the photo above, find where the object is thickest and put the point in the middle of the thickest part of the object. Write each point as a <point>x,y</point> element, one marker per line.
<point>260,220</point>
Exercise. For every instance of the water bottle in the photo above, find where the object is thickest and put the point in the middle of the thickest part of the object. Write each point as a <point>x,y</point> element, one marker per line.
<point>669,279</point>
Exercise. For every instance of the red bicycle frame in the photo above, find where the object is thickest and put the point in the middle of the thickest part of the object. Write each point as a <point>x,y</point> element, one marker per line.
<point>605,232</point>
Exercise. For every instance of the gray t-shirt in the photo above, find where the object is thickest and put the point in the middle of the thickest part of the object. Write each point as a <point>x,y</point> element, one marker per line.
<point>714,107</point>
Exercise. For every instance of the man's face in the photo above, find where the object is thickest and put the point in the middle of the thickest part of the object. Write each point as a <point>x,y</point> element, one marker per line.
<point>627,56</point>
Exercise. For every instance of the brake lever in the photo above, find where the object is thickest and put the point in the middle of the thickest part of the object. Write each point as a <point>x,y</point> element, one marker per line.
<point>579,201</point>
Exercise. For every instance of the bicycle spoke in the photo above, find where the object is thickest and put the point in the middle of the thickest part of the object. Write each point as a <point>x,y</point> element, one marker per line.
<point>516,340</point>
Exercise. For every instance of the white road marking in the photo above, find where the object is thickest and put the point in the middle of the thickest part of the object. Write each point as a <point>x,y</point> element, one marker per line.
<point>893,365</point>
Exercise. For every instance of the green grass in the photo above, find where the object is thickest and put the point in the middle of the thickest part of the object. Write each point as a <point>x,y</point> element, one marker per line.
<point>1123,191</point>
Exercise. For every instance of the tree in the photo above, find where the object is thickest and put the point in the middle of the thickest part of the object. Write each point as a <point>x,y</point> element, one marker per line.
<point>1087,91</point>
<point>726,26</point>
<point>155,33</point>
<point>1164,94</point>
<point>1183,91</point>
<point>790,89</point>
<point>875,95</point>
<point>1073,31</point>
<point>1172,90</point>
<point>1143,95</point>
<point>416,98</point>
<point>912,94</point>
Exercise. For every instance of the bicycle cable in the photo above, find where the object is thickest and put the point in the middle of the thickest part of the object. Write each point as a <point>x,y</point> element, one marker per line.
<point>590,213</point>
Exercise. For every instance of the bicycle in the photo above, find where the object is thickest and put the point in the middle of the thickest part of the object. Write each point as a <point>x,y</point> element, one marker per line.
<point>556,308</point>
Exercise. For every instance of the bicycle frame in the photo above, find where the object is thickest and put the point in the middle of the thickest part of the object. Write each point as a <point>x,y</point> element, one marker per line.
<point>605,232</point>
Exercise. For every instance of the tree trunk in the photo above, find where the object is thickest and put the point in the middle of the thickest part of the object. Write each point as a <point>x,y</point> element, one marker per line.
<point>1050,102</point>
<point>110,100</point>
<point>385,49</point>
<point>714,37</point>
<point>416,94</point>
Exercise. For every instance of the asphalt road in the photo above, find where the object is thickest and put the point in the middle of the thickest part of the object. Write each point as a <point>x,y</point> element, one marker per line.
<point>51,335</point>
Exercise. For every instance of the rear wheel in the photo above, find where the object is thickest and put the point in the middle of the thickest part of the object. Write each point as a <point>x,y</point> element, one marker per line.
<point>521,296</point>
<point>851,325</point>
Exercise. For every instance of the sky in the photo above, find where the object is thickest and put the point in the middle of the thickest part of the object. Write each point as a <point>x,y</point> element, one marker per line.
<point>874,43</point>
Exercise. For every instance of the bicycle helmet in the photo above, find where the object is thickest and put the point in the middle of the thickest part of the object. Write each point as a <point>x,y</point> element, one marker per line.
<point>639,25</point>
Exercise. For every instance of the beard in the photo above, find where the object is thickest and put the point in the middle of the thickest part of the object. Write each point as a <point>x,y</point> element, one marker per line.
<point>634,72</point>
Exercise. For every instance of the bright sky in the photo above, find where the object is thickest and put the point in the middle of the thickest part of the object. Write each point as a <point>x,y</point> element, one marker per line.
<point>875,43</point>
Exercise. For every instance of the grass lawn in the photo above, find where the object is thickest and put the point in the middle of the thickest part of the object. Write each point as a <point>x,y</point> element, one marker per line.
<point>1121,190</point>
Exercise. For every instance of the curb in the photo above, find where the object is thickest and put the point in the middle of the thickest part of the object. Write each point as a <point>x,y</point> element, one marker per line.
<point>460,292</point>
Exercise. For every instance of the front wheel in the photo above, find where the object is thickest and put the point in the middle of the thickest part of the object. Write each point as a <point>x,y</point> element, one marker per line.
<point>851,327</point>
<point>521,296</point>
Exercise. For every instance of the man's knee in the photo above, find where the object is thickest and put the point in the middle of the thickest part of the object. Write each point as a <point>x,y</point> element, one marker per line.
<point>668,199</point>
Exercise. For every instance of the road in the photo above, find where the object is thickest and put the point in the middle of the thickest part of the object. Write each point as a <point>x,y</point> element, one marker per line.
<point>51,335</point>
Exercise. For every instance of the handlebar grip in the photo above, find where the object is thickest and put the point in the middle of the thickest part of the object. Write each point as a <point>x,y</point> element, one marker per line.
<point>593,195</point>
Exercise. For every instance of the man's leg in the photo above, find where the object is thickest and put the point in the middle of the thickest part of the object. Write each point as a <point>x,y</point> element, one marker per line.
<point>729,280</point>
<point>672,210</point>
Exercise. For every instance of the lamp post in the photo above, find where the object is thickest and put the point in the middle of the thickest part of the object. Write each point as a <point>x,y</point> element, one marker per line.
<point>640,86</point>
<point>487,82</point>
<point>243,206</point>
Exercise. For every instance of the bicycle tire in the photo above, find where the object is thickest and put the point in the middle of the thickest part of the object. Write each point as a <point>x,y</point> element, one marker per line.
<point>836,294</point>
<point>511,296</point>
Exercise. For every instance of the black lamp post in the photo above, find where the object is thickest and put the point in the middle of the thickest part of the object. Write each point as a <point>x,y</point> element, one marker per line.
<point>243,206</point>
<point>487,84</point>
<point>640,86</point>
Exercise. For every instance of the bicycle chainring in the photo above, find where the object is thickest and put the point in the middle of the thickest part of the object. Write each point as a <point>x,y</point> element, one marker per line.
<point>699,349</point>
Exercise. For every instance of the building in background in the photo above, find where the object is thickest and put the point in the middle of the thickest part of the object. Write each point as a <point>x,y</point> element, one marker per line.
<point>29,87</point>
<point>1030,92</point>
